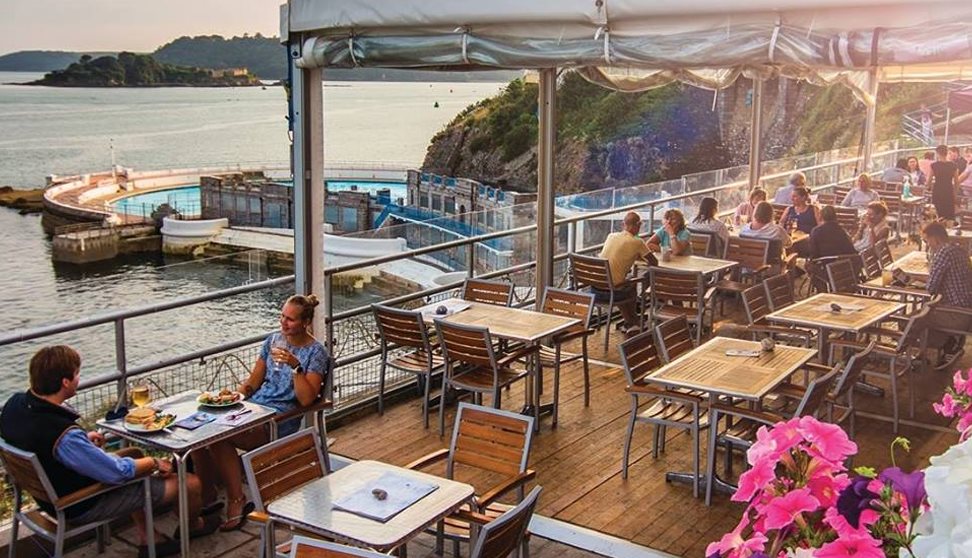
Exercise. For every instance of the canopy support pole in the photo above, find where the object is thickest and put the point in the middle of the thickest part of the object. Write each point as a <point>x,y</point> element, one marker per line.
<point>546,147</point>
<point>948,122</point>
<point>756,134</point>
<point>308,209</point>
<point>869,121</point>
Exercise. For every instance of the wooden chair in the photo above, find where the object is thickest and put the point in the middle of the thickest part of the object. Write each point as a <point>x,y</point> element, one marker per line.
<point>25,474</point>
<point>279,468</point>
<point>841,277</point>
<point>847,219</point>
<point>407,330</point>
<point>779,292</point>
<point>500,537</point>
<point>486,443</point>
<point>883,251</point>
<point>496,293</point>
<point>701,242</point>
<point>679,293</point>
<point>666,408</point>
<point>673,338</point>
<point>743,422</point>
<point>307,547</point>
<point>827,198</point>
<point>871,265</point>
<point>752,254</point>
<point>778,209</point>
<point>573,305</point>
<point>595,273</point>
<point>756,305</point>
<point>472,365</point>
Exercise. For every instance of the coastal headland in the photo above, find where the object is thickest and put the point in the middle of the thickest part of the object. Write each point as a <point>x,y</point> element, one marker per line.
<point>23,201</point>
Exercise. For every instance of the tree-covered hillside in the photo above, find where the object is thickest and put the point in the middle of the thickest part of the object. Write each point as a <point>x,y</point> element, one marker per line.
<point>136,70</point>
<point>262,56</point>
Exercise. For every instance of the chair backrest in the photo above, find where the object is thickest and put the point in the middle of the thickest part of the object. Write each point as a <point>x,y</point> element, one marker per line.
<point>490,439</point>
<point>883,251</point>
<point>588,271</point>
<point>841,277</point>
<point>282,466</point>
<point>497,293</point>
<point>639,356</point>
<point>464,343</point>
<point>816,394</point>
<point>847,218</point>
<point>751,253</point>
<point>756,303</point>
<point>827,198</point>
<point>571,304</point>
<point>674,338</point>
<point>502,536</point>
<point>779,291</point>
<point>852,371</point>
<point>701,242</point>
<point>26,472</point>
<point>778,209</point>
<point>916,325</point>
<point>676,287</point>
<point>404,328</point>
<point>306,547</point>
<point>871,263</point>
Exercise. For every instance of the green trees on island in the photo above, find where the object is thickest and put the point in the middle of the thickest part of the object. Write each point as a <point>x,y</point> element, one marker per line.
<point>140,70</point>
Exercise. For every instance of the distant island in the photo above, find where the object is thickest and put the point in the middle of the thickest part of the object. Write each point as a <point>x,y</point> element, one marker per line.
<point>265,57</point>
<point>142,70</point>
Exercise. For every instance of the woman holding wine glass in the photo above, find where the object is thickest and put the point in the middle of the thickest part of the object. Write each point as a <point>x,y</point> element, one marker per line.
<point>288,374</point>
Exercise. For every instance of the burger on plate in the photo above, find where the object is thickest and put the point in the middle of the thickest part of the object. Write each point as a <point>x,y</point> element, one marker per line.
<point>142,416</point>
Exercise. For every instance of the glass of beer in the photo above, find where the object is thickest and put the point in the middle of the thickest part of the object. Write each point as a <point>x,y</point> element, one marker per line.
<point>887,276</point>
<point>140,394</point>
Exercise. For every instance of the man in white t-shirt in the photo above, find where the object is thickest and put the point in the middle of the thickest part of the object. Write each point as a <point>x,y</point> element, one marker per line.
<point>782,195</point>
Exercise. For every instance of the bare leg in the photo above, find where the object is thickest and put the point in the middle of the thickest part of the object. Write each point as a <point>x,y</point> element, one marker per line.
<point>629,313</point>
<point>230,470</point>
<point>206,469</point>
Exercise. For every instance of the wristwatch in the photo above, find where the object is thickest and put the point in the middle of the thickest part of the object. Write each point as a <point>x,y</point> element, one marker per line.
<point>298,369</point>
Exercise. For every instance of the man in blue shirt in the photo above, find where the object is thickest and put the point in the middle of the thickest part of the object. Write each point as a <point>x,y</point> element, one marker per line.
<point>38,421</point>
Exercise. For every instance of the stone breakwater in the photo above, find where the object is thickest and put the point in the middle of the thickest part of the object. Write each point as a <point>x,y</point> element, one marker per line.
<point>24,201</point>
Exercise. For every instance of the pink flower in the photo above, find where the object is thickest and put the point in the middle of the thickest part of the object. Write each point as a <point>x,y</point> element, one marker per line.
<point>962,385</point>
<point>764,448</point>
<point>734,545</point>
<point>843,528</point>
<point>783,510</point>
<point>964,422</point>
<point>829,440</point>
<point>754,480</point>
<point>826,488</point>
<point>947,408</point>
<point>852,546</point>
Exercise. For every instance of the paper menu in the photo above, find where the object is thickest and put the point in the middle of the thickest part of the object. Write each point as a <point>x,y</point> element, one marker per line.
<point>451,305</point>
<point>400,493</point>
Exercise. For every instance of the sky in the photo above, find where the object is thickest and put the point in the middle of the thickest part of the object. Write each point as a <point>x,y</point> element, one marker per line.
<point>134,25</point>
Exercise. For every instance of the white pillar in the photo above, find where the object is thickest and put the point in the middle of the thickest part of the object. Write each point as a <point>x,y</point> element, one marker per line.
<point>756,133</point>
<point>545,181</point>
<point>869,121</point>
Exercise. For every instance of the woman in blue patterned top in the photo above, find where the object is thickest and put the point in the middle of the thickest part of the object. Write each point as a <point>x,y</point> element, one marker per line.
<point>288,374</point>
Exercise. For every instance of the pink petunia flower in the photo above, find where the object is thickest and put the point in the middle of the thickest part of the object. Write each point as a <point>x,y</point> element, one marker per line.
<point>826,488</point>
<point>829,439</point>
<point>733,544</point>
<point>782,511</point>
<point>754,480</point>
<point>853,546</point>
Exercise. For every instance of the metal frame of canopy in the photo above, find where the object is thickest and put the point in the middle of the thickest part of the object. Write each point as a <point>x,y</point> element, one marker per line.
<point>625,44</point>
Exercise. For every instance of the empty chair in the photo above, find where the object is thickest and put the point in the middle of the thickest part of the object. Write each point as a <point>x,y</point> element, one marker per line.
<point>500,537</point>
<point>497,293</point>
<point>595,274</point>
<point>278,468</point>
<point>674,338</point>
<point>306,547</point>
<point>752,254</point>
<point>779,291</point>
<point>756,305</point>
<point>883,253</point>
<point>702,243</point>
<point>26,474</point>
<point>841,277</point>
<point>573,305</point>
<point>679,293</point>
<point>493,448</point>
<point>665,408</point>
<point>472,364</point>
<point>871,265</point>
<point>404,329</point>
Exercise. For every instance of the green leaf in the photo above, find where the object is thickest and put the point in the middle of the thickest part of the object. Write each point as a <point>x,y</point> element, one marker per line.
<point>867,472</point>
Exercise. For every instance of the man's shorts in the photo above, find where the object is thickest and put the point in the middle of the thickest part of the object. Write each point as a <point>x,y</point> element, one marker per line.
<point>122,501</point>
<point>620,294</point>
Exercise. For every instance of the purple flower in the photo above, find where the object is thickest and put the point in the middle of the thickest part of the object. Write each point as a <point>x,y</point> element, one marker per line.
<point>854,499</point>
<point>911,485</point>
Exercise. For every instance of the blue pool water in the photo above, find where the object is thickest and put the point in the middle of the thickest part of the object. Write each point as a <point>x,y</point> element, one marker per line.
<point>187,200</point>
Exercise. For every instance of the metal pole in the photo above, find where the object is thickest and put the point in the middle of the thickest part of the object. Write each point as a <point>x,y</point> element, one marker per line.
<point>948,122</point>
<point>869,121</point>
<point>545,180</point>
<point>755,134</point>
<point>121,361</point>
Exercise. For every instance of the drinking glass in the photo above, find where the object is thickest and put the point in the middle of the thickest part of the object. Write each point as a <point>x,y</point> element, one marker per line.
<point>140,395</point>
<point>887,276</point>
<point>279,343</point>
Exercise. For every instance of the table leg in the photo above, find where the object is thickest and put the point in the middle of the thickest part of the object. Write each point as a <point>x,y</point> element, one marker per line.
<point>180,461</point>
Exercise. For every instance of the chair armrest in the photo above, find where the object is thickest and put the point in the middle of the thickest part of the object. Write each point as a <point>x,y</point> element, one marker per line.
<point>642,389</point>
<point>96,489</point>
<point>517,354</point>
<point>426,460</point>
<point>319,405</point>
<point>749,414</point>
<point>259,517</point>
<point>502,488</point>
<point>472,517</point>
<point>790,391</point>
<point>781,330</point>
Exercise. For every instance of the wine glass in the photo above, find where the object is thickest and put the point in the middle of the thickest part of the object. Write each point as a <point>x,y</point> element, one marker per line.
<point>140,394</point>
<point>279,344</point>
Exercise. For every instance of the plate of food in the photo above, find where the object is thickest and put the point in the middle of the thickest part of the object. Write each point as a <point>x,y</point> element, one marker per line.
<point>147,419</point>
<point>222,398</point>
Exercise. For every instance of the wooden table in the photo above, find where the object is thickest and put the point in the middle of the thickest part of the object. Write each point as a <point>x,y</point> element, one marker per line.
<point>707,368</point>
<point>697,264</point>
<point>513,324</point>
<point>814,312</point>
<point>914,263</point>
<point>311,507</point>
<point>180,443</point>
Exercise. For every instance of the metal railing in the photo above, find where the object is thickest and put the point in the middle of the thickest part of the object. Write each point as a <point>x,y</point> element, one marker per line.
<point>351,333</point>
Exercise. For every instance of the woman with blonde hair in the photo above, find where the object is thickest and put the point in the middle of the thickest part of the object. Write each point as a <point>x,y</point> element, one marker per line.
<point>862,194</point>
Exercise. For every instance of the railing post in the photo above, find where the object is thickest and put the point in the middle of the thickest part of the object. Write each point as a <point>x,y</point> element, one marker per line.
<point>572,237</point>
<point>471,259</point>
<point>651,217</point>
<point>329,313</point>
<point>121,361</point>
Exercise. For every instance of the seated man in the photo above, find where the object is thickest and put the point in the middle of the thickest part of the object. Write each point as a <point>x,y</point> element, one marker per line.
<point>621,249</point>
<point>38,421</point>
<point>949,275</point>
<point>829,238</point>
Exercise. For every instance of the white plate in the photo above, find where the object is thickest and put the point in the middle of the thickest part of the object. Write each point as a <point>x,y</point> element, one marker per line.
<point>239,399</point>
<point>156,427</point>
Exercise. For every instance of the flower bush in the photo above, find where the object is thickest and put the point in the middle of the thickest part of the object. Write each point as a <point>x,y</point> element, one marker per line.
<point>803,502</point>
<point>957,402</point>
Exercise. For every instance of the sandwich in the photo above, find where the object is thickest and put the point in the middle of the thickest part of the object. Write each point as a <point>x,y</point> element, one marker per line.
<point>142,416</point>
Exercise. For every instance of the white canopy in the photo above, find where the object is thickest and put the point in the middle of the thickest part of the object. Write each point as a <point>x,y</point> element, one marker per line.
<point>636,44</point>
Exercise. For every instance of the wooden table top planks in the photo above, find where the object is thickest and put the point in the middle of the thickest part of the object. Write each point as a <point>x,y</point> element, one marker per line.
<point>815,312</point>
<point>516,324</point>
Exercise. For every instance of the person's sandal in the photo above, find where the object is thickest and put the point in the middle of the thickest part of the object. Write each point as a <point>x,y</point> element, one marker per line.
<point>210,524</point>
<point>167,547</point>
<point>240,520</point>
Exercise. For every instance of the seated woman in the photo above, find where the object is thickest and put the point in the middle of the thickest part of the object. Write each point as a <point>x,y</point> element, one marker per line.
<point>915,173</point>
<point>706,222</point>
<point>862,194</point>
<point>873,227</point>
<point>288,374</point>
<point>744,212</point>
<point>672,235</point>
<point>802,215</point>
<point>762,226</point>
